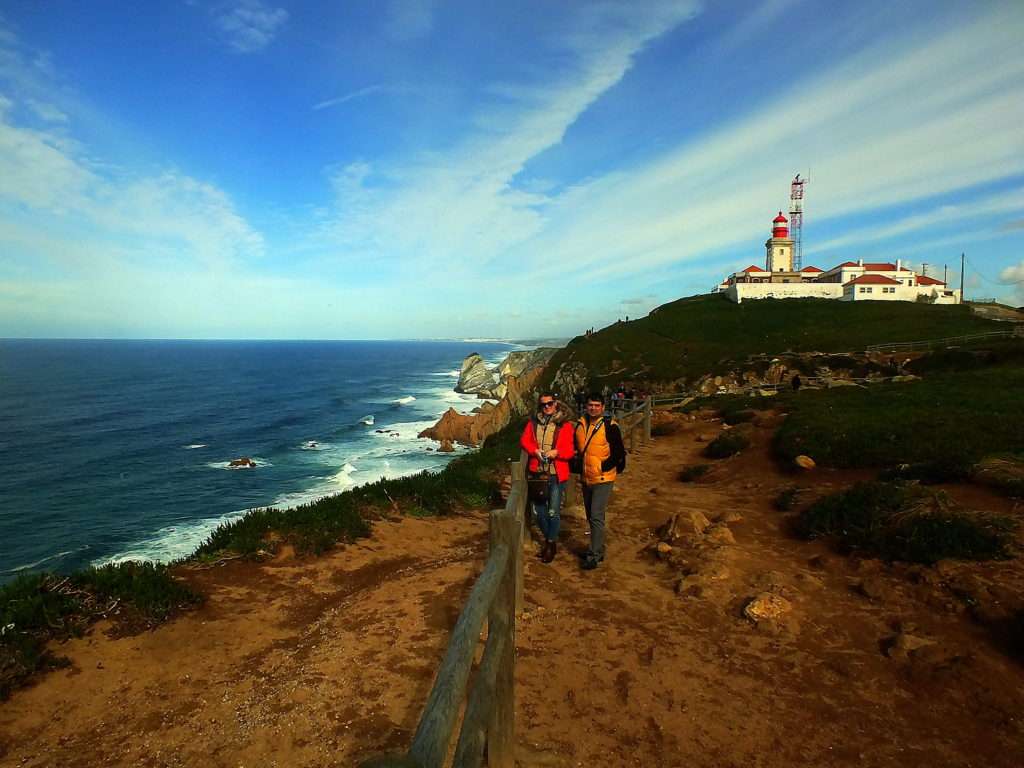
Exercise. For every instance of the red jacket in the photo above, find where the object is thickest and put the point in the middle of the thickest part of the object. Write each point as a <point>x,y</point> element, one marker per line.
<point>564,444</point>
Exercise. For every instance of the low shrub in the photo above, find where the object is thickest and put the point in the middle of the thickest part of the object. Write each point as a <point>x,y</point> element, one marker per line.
<point>693,472</point>
<point>1003,473</point>
<point>949,469</point>
<point>738,417</point>
<point>725,445</point>
<point>786,499</point>
<point>42,607</point>
<point>906,522</point>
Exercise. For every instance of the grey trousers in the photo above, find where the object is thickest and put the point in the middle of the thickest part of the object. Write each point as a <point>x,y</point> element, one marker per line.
<point>595,501</point>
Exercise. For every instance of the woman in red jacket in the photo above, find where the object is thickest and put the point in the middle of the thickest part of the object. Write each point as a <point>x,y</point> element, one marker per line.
<point>548,438</point>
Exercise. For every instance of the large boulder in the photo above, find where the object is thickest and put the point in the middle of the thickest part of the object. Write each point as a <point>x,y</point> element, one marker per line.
<point>475,377</point>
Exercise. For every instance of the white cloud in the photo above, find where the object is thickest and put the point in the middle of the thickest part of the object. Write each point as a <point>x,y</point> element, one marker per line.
<point>249,25</point>
<point>462,204</point>
<point>1013,274</point>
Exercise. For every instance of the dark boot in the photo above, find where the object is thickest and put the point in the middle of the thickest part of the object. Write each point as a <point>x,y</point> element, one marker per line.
<point>549,552</point>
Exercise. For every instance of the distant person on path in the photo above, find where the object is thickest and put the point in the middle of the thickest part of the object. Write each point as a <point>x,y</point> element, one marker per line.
<point>603,456</point>
<point>548,438</point>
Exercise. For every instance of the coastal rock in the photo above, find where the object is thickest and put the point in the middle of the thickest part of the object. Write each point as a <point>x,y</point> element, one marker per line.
<point>475,377</point>
<point>518,363</point>
<point>245,462</point>
<point>804,462</point>
<point>767,607</point>
<point>473,429</point>
<point>446,446</point>
<point>569,379</point>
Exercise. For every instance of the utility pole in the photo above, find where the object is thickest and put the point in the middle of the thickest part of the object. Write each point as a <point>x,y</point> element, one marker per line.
<point>962,260</point>
<point>945,274</point>
<point>924,268</point>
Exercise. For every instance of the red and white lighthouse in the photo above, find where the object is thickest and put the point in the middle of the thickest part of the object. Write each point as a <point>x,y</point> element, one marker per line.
<point>779,249</point>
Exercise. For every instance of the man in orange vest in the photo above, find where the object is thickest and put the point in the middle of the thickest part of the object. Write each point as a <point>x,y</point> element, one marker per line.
<point>603,456</point>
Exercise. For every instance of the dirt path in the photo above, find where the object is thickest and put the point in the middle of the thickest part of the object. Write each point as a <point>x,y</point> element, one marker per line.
<point>321,662</point>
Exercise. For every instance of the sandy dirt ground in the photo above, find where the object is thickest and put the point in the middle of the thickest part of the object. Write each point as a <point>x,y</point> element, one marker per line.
<point>646,661</point>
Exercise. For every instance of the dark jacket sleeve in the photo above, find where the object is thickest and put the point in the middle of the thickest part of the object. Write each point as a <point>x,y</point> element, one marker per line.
<point>618,449</point>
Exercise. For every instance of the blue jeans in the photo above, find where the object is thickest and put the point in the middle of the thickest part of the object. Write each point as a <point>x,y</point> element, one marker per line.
<point>548,513</point>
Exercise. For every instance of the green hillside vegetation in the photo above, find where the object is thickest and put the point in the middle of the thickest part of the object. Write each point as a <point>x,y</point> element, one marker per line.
<point>947,421</point>
<point>705,334</point>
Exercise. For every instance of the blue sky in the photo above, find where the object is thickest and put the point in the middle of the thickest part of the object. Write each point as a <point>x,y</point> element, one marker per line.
<point>419,168</point>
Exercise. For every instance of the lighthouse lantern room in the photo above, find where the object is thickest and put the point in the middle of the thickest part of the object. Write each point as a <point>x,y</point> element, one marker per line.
<point>779,247</point>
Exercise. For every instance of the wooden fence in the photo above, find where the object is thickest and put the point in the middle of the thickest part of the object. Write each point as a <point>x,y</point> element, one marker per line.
<point>488,725</point>
<point>951,341</point>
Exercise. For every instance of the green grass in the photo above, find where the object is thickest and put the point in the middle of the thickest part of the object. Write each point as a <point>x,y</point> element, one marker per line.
<point>905,522</point>
<point>694,336</point>
<point>693,472</point>
<point>38,608</point>
<point>948,419</point>
<point>725,445</point>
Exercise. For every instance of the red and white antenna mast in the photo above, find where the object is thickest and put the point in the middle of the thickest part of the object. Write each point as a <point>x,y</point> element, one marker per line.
<point>796,219</point>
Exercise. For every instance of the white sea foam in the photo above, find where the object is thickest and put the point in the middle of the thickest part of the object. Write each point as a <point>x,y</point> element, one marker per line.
<point>47,559</point>
<point>315,445</point>
<point>258,462</point>
<point>368,420</point>
<point>453,374</point>
<point>172,542</point>
<point>404,400</point>
<point>193,446</point>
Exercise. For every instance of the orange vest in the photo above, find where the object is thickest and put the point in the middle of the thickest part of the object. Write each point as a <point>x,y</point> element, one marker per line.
<point>597,450</point>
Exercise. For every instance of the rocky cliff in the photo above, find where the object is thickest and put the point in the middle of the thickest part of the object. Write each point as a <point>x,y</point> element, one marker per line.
<point>473,428</point>
<point>475,378</point>
<point>517,363</point>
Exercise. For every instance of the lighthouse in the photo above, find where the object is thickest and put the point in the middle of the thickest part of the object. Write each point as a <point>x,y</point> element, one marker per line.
<point>779,247</point>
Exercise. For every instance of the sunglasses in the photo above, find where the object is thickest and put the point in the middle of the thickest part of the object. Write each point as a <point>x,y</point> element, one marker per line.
<point>545,404</point>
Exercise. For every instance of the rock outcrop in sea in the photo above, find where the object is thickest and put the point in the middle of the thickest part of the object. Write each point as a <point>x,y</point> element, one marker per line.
<point>514,400</point>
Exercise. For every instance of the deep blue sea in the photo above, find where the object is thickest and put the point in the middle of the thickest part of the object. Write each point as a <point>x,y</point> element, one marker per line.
<point>120,449</point>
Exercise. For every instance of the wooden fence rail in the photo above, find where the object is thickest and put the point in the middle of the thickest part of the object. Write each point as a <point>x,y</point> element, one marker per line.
<point>488,725</point>
<point>911,346</point>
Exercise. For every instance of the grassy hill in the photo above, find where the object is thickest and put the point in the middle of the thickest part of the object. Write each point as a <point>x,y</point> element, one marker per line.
<point>704,334</point>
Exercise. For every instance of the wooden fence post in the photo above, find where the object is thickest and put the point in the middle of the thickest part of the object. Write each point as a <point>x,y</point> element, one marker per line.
<point>517,504</point>
<point>648,418</point>
<point>505,529</point>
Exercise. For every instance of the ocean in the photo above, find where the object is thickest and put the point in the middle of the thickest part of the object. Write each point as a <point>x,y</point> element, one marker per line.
<point>114,450</point>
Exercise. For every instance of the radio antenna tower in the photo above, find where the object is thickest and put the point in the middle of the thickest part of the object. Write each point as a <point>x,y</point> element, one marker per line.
<point>796,219</point>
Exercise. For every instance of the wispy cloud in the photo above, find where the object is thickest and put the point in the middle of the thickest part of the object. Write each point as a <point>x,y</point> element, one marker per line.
<point>249,25</point>
<point>367,91</point>
<point>1011,226</point>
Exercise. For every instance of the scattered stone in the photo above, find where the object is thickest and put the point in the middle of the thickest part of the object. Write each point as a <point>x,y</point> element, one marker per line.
<point>703,438</point>
<point>804,462</point>
<point>720,534</point>
<point>731,517</point>
<point>767,607</point>
<point>690,522</point>
<point>903,644</point>
<point>245,462</point>
<point>876,588</point>
<point>663,549</point>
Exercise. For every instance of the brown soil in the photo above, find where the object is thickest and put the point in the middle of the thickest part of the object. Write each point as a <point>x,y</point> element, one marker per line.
<point>325,661</point>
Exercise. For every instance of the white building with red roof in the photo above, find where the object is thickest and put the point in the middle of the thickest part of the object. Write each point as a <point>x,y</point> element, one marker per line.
<point>849,281</point>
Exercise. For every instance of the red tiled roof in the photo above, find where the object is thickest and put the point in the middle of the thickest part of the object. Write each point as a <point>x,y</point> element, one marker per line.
<point>810,269</point>
<point>925,280</point>
<point>873,280</point>
<point>881,267</point>
<point>752,268</point>
<point>848,264</point>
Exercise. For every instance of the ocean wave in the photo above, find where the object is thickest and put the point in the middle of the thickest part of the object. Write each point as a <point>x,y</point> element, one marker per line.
<point>172,542</point>
<point>315,445</point>
<point>367,420</point>
<point>453,374</point>
<point>404,400</point>
<point>256,463</point>
<point>193,446</point>
<point>47,559</point>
